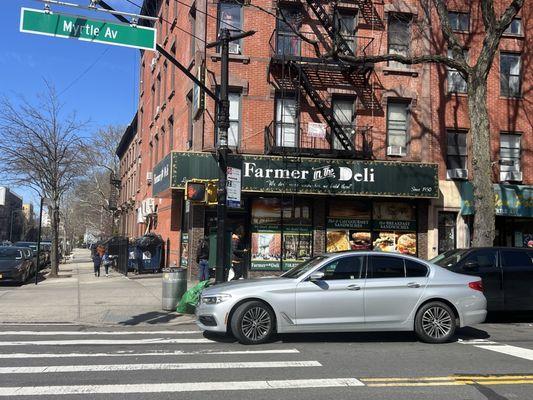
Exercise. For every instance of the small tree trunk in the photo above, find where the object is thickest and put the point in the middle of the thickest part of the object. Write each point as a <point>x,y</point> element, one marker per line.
<point>484,217</point>
<point>54,255</point>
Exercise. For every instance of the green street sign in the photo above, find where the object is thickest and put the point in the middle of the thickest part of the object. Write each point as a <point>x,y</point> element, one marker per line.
<point>78,27</point>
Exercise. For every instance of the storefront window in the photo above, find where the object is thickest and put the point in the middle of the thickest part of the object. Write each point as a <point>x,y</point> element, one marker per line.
<point>348,225</point>
<point>394,226</point>
<point>281,233</point>
<point>447,231</point>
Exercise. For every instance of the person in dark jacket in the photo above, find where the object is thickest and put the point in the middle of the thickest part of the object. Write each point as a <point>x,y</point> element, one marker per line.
<point>238,253</point>
<point>202,258</point>
<point>97,260</point>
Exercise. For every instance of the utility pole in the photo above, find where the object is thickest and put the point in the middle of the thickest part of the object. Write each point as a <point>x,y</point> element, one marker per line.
<point>222,146</point>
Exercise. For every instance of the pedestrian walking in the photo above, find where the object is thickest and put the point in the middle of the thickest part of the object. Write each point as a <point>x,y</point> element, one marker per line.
<point>97,259</point>
<point>237,253</point>
<point>107,261</point>
<point>202,258</point>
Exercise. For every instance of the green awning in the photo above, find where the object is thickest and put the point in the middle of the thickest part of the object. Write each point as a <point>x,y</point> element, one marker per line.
<point>510,200</point>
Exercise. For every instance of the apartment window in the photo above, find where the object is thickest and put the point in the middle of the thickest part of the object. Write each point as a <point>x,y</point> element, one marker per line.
<point>345,25</point>
<point>286,40</point>
<point>156,150</point>
<point>153,100</point>
<point>163,134</point>
<point>456,154</point>
<point>397,126</point>
<point>344,114</point>
<point>510,153</point>
<point>510,79</point>
<point>230,17</point>
<point>459,21</point>
<point>515,28</point>
<point>190,120</point>
<point>399,36</point>
<point>192,20</point>
<point>173,70</point>
<point>171,133</point>
<point>234,118</point>
<point>158,93</point>
<point>164,83</point>
<point>456,81</point>
<point>286,122</point>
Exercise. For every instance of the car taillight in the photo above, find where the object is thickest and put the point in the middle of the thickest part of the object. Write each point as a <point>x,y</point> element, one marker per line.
<point>478,285</point>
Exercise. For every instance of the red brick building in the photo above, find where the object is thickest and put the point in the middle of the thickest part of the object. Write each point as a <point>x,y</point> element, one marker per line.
<point>399,182</point>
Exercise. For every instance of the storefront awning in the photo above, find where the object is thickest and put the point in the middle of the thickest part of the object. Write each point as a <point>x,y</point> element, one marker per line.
<point>510,200</point>
<point>268,174</point>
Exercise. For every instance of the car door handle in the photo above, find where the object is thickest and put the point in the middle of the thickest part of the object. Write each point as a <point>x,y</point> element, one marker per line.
<point>353,287</point>
<point>413,285</point>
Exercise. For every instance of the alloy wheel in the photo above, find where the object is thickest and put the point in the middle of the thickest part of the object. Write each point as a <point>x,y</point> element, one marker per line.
<point>437,322</point>
<point>256,324</point>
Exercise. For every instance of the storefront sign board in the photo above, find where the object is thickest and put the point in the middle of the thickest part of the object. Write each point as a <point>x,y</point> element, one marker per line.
<point>315,176</point>
<point>161,176</point>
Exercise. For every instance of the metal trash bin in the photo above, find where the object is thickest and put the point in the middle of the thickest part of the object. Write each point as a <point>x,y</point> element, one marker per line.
<point>174,286</point>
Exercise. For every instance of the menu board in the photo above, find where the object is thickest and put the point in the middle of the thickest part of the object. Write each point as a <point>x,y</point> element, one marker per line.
<point>184,259</point>
<point>348,226</point>
<point>394,225</point>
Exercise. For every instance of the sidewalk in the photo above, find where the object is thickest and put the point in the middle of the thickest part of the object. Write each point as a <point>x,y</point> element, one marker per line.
<point>79,297</point>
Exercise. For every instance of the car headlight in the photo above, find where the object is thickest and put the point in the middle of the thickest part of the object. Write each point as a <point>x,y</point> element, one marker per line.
<point>215,299</point>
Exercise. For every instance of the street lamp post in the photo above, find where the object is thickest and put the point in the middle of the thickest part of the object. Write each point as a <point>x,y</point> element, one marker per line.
<point>43,200</point>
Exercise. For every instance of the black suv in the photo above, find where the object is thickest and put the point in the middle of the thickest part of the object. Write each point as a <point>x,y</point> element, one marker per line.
<point>507,274</point>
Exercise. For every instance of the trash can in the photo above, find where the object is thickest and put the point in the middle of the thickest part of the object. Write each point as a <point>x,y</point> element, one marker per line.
<point>174,286</point>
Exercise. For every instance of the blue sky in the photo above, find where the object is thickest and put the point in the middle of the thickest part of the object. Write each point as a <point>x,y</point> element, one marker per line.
<point>106,94</point>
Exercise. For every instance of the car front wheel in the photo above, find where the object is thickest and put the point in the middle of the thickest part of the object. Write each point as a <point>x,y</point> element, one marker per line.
<point>253,323</point>
<point>435,322</point>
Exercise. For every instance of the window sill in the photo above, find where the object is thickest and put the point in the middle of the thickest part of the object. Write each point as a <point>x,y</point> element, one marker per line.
<point>233,57</point>
<point>515,98</point>
<point>513,35</point>
<point>457,94</point>
<point>400,71</point>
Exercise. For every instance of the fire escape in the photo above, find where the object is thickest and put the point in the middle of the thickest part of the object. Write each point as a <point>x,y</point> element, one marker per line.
<point>298,67</point>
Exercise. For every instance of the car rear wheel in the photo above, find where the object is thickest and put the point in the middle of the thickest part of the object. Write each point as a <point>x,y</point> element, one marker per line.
<point>253,323</point>
<point>435,323</point>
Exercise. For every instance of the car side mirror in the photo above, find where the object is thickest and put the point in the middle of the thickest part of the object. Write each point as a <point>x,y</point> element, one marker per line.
<point>471,266</point>
<point>316,276</point>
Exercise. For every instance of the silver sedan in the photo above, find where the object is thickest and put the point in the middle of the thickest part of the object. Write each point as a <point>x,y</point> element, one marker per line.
<point>344,292</point>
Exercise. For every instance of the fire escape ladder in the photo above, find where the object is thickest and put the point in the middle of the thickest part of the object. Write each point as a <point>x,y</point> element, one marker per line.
<point>302,81</point>
<point>324,19</point>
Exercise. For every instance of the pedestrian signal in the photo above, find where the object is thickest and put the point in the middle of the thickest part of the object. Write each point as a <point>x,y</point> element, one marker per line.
<point>195,191</point>
<point>212,197</point>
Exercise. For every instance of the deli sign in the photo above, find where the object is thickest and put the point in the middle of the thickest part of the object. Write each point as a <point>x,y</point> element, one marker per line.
<point>314,176</point>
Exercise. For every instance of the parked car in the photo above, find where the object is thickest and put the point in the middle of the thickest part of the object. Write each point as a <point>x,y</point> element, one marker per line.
<point>15,264</point>
<point>347,291</point>
<point>42,256</point>
<point>507,274</point>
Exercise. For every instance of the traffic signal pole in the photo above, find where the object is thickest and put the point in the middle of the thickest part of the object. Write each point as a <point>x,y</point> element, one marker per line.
<point>222,124</point>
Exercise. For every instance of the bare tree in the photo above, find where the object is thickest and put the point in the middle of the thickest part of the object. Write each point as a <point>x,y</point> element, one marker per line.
<point>95,192</point>
<point>475,72</point>
<point>39,148</point>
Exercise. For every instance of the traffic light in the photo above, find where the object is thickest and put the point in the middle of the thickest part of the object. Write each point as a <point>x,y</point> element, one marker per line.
<point>212,197</point>
<point>195,191</point>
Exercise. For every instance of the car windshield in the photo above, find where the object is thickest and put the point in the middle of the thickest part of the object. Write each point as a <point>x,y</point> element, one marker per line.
<point>303,268</point>
<point>449,258</point>
<point>7,253</point>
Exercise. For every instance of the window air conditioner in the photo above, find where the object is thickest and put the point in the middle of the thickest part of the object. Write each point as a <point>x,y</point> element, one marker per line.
<point>515,176</point>
<point>149,176</point>
<point>396,151</point>
<point>457,173</point>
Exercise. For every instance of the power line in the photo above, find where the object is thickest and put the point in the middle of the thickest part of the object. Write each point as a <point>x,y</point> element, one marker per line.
<point>84,72</point>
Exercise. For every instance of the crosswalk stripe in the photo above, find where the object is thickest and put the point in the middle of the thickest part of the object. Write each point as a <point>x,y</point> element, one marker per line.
<point>104,342</point>
<point>153,353</point>
<point>178,387</point>
<point>159,366</point>
<point>515,351</point>
<point>91,333</point>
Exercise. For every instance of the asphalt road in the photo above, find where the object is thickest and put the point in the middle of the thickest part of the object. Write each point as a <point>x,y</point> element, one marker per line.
<point>491,361</point>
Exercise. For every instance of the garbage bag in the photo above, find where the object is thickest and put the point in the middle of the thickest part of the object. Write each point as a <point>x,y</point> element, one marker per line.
<point>149,241</point>
<point>190,298</point>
